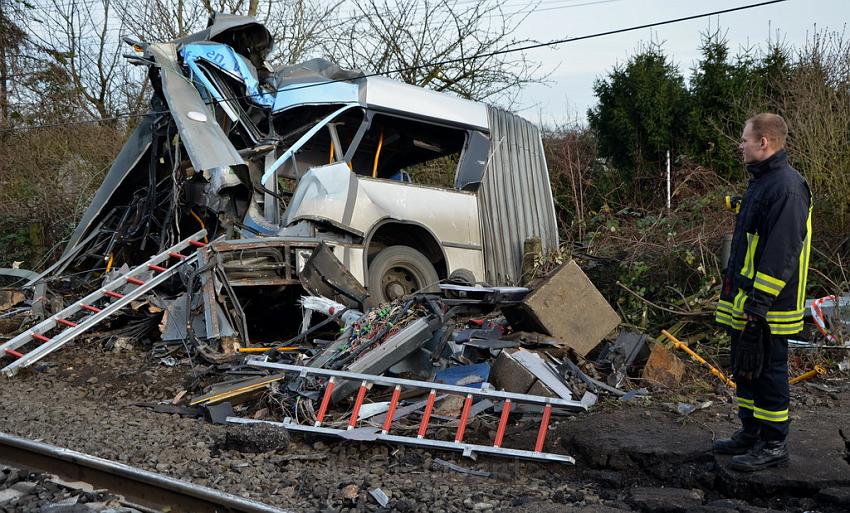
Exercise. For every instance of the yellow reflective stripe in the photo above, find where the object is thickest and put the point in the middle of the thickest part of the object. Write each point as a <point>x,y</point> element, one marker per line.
<point>738,306</point>
<point>804,263</point>
<point>787,316</point>
<point>768,284</point>
<point>728,320</point>
<point>771,280</point>
<point>724,309</point>
<point>766,288</point>
<point>752,241</point>
<point>724,322</point>
<point>745,403</point>
<point>770,415</point>
<point>724,319</point>
<point>786,329</point>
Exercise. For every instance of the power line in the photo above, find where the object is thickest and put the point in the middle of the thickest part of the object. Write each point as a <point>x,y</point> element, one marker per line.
<point>544,9</point>
<point>520,8</point>
<point>434,64</point>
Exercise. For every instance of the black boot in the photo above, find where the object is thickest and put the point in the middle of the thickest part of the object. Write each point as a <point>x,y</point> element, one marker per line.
<point>740,443</point>
<point>763,455</point>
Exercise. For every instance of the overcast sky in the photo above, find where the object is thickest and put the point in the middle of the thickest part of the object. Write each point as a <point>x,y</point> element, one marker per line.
<point>574,66</point>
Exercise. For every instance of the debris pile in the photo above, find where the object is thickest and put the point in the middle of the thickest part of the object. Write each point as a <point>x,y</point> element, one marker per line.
<point>430,369</point>
<point>446,370</point>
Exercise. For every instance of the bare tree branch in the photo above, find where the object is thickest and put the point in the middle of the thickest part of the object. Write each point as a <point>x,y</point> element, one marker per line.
<point>411,41</point>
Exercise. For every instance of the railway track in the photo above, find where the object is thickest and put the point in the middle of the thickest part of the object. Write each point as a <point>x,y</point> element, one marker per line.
<point>149,490</point>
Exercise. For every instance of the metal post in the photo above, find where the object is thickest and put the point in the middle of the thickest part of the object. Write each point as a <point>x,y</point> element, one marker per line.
<point>668,179</point>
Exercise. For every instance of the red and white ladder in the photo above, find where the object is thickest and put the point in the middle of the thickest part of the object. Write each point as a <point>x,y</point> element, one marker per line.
<point>86,313</point>
<point>468,449</point>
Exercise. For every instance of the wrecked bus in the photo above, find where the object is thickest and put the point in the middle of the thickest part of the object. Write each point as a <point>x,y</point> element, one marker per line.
<point>277,161</point>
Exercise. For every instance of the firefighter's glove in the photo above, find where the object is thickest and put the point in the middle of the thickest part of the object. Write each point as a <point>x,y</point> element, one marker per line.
<point>750,351</point>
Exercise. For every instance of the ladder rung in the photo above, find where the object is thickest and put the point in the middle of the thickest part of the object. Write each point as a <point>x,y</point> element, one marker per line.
<point>326,400</point>
<point>12,352</point>
<point>361,395</point>
<point>464,417</point>
<point>503,422</point>
<point>156,268</point>
<point>197,243</point>
<point>68,323</point>
<point>544,425</point>
<point>391,412</point>
<point>176,255</point>
<point>39,336</point>
<point>112,293</point>
<point>134,281</point>
<point>90,308</point>
<point>426,417</point>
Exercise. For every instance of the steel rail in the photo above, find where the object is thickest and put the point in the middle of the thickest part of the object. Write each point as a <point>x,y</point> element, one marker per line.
<point>148,489</point>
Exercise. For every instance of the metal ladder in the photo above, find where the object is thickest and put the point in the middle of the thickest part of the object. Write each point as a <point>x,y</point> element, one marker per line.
<point>89,315</point>
<point>366,380</point>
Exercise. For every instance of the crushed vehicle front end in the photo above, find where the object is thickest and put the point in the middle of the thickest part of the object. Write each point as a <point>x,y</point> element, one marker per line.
<point>277,162</point>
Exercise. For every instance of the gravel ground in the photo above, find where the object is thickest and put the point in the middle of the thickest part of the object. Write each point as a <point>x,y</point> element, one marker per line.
<point>84,399</point>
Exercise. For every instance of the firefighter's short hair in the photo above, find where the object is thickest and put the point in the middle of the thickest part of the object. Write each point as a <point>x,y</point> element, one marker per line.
<point>770,126</point>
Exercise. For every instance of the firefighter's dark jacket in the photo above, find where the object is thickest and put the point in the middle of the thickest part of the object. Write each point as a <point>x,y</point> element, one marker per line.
<point>769,261</point>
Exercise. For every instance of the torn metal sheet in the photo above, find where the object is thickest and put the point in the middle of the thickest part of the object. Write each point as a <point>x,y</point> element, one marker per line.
<point>543,372</point>
<point>324,275</point>
<point>206,143</point>
<point>369,410</point>
<point>361,434</point>
<point>479,407</point>
<point>384,93</point>
<point>18,274</point>
<point>133,151</point>
<point>176,318</point>
<point>328,91</point>
<point>253,34</point>
<point>225,59</point>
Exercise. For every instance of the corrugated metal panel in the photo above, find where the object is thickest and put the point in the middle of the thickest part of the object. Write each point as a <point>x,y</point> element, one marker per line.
<point>515,198</point>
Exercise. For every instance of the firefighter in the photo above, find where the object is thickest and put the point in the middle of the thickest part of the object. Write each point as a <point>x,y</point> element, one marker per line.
<point>764,290</point>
